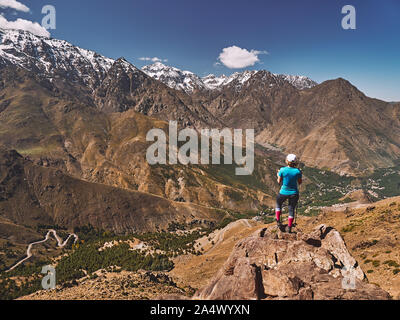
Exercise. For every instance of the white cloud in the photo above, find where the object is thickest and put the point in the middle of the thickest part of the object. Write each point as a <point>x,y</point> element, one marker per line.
<point>237,58</point>
<point>21,24</point>
<point>155,59</point>
<point>13,4</point>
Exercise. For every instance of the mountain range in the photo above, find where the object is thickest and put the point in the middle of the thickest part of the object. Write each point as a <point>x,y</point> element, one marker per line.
<point>189,82</point>
<point>88,117</point>
<point>70,109</point>
<point>73,128</point>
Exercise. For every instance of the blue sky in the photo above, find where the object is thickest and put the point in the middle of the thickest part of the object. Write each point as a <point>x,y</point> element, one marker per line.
<point>301,37</point>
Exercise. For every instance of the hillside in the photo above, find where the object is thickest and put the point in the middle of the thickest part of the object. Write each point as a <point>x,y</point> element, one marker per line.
<point>122,285</point>
<point>331,125</point>
<point>370,241</point>
<point>371,233</point>
<point>303,265</point>
<point>87,143</point>
<point>33,195</point>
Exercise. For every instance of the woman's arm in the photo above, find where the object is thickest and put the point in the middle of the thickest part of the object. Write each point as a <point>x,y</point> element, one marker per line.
<point>279,178</point>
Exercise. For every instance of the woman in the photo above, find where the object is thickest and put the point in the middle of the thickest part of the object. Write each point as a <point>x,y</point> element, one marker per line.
<point>290,177</point>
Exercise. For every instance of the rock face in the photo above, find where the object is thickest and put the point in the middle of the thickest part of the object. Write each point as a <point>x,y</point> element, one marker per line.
<point>275,265</point>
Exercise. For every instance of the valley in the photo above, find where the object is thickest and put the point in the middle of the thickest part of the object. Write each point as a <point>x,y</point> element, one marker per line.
<point>370,234</point>
<point>73,144</point>
<point>181,246</point>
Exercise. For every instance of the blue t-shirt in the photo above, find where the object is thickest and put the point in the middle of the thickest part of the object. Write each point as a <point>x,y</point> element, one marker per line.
<point>290,177</point>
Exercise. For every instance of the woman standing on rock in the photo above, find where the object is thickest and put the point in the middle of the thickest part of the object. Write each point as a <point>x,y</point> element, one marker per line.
<point>290,177</point>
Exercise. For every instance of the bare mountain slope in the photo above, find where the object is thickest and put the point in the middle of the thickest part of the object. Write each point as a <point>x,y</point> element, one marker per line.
<point>32,195</point>
<point>126,87</point>
<point>331,125</point>
<point>57,130</point>
<point>337,126</point>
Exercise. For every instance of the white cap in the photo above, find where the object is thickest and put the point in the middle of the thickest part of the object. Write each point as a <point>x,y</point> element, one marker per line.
<point>291,158</point>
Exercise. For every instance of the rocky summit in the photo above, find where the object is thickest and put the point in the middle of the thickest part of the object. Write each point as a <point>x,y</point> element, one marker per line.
<point>271,265</point>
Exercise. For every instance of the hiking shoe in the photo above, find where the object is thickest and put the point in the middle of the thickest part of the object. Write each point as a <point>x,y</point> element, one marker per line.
<point>289,229</point>
<point>281,227</point>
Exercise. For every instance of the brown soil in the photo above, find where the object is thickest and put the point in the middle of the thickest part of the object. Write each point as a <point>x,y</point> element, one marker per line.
<point>122,285</point>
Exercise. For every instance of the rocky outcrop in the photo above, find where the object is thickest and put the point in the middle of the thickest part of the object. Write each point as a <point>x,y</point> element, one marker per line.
<point>275,265</point>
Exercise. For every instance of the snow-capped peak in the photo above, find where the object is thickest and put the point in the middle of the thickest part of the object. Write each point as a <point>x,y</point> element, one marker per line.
<point>213,82</point>
<point>241,77</point>
<point>51,57</point>
<point>174,77</point>
<point>300,82</point>
<point>238,79</point>
<point>188,81</point>
<point>126,65</point>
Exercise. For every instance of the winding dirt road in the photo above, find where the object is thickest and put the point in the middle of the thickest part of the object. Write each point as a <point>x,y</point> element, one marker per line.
<point>59,243</point>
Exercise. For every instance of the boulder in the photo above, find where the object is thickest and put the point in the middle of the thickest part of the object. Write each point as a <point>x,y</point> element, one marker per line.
<point>271,264</point>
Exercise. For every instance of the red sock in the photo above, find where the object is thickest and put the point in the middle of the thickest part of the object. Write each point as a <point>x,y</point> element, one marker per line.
<point>290,221</point>
<point>278,215</point>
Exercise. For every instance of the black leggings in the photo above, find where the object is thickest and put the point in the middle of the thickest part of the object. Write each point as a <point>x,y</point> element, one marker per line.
<point>293,200</point>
